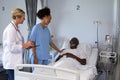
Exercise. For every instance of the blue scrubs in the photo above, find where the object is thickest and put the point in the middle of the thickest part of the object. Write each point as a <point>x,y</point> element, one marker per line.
<point>42,39</point>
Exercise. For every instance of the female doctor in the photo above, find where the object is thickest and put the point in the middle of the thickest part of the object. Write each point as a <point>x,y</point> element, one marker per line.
<point>13,43</point>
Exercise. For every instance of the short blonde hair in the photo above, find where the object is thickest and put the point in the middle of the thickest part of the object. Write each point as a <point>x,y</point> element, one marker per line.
<point>17,13</point>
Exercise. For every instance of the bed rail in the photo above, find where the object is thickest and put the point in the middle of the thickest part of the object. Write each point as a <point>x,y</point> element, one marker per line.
<point>43,72</point>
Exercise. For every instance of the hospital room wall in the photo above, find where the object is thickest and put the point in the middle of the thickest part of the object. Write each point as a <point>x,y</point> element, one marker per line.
<point>69,18</point>
<point>5,14</point>
<point>77,18</point>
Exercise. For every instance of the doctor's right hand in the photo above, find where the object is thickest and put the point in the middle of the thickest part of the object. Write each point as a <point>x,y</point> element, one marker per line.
<point>28,45</point>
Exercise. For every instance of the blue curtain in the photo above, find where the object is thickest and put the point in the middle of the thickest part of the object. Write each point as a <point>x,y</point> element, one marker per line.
<point>31,9</point>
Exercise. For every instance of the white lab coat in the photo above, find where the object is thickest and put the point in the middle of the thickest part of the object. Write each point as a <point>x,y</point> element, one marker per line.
<point>12,47</point>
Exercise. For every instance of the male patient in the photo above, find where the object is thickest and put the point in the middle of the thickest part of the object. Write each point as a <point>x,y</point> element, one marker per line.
<point>73,52</point>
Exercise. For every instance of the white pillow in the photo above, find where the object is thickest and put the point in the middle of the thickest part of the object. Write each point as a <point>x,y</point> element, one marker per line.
<point>66,44</point>
<point>87,48</point>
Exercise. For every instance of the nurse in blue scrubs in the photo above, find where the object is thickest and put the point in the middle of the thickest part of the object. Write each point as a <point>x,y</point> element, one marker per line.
<point>40,35</point>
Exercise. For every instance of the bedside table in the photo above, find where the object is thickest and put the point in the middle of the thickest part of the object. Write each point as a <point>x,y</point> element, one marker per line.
<point>107,61</point>
<point>108,57</point>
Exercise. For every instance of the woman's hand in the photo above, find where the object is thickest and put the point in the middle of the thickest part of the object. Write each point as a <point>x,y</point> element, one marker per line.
<point>28,45</point>
<point>62,50</point>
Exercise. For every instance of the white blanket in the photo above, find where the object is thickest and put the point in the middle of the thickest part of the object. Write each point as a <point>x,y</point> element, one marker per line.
<point>87,72</point>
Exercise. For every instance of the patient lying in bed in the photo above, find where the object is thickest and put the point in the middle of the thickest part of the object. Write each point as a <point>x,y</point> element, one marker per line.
<point>71,58</point>
<point>74,58</point>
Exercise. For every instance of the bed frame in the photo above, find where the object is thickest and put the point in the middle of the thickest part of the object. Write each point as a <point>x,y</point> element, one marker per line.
<point>49,72</point>
<point>45,73</point>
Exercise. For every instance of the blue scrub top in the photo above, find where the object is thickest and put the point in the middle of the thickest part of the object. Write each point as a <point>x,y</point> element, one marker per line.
<point>42,39</point>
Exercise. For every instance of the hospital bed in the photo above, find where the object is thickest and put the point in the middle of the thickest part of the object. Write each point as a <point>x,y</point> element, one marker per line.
<point>49,72</point>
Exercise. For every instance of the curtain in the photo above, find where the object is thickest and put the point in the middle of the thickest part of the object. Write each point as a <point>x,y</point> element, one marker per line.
<point>31,9</point>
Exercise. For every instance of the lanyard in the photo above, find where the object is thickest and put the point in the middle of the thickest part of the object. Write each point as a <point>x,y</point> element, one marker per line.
<point>18,32</point>
<point>20,37</point>
<point>15,27</point>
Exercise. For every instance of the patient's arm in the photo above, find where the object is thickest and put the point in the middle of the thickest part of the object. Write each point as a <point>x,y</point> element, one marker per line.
<point>82,61</point>
<point>55,47</point>
<point>60,56</point>
<point>34,54</point>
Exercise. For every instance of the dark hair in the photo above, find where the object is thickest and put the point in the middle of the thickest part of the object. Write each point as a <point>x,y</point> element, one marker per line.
<point>43,12</point>
<point>74,43</point>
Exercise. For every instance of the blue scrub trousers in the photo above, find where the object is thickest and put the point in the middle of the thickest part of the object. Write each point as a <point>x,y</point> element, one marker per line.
<point>42,62</point>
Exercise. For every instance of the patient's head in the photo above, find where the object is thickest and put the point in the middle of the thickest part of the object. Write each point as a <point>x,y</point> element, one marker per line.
<point>74,43</point>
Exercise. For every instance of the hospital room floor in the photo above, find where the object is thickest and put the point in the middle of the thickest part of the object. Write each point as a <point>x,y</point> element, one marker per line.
<point>103,76</point>
<point>3,74</point>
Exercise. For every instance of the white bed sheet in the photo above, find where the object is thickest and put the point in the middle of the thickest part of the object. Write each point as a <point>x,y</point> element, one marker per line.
<point>86,72</point>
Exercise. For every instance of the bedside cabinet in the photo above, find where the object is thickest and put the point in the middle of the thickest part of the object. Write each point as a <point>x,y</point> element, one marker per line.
<point>107,61</point>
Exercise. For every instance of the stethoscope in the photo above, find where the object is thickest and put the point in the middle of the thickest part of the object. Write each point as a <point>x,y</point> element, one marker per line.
<point>19,35</point>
